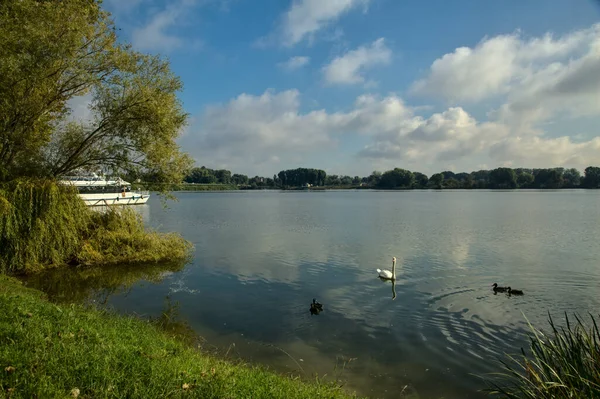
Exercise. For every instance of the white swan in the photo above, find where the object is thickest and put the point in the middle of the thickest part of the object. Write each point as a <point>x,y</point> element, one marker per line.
<point>386,274</point>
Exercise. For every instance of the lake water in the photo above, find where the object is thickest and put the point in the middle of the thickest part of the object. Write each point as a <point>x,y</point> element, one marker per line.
<point>260,258</point>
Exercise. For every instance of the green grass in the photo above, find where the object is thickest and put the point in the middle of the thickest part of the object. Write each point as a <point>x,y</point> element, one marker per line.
<point>50,351</point>
<point>563,364</point>
<point>45,225</point>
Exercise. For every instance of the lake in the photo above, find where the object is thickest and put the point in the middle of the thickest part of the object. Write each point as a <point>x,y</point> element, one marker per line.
<point>261,257</point>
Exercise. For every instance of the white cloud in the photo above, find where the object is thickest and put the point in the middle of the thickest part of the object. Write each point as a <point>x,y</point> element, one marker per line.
<point>450,135</point>
<point>294,63</point>
<point>157,34</point>
<point>348,68</point>
<point>541,82</point>
<point>544,152</point>
<point>501,64</point>
<point>264,134</point>
<point>306,17</point>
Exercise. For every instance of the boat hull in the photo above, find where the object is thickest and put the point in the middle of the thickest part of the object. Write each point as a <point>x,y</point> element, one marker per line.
<point>106,199</point>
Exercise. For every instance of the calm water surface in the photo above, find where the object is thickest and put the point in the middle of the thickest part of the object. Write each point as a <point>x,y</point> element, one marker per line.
<point>261,257</point>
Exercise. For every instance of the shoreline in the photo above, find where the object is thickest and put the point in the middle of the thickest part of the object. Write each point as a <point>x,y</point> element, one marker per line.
<point>62,350</point>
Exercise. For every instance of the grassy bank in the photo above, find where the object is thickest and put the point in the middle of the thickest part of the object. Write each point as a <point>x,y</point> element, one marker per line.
<point>45,225</point>
<point>49,350</point>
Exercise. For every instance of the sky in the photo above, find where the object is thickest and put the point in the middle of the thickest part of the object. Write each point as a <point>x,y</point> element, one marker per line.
<point>353,86</point>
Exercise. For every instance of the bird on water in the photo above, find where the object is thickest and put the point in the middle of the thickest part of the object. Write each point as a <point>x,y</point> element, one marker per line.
<point>386,274</point>
<point>497,288</point>
<point>514,292</point>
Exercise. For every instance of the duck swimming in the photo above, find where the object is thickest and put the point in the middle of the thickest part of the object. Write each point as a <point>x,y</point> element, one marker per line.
<point>514,292</point>
<point>498,289</point>
<point>316,304</point>
<point>315,307</point>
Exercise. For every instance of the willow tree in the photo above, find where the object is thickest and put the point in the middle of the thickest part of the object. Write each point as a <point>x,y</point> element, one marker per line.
<point>57,53</point>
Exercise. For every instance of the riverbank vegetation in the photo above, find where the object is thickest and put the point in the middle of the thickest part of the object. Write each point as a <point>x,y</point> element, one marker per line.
<point>49,350</point>
<point>61,56</point>
<point>499,178</point>
<point>562,364</point>
<point>45,225</point>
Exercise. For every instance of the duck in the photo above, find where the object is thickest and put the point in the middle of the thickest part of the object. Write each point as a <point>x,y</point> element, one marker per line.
<point>514,292</point>
<point>497,288</point>
<point>316,304</point>
<point>315,307</point>
<point>386,274</point>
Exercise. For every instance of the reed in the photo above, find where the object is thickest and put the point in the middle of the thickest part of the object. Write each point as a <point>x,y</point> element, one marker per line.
<point>565,363</point>
<point>45,225</point>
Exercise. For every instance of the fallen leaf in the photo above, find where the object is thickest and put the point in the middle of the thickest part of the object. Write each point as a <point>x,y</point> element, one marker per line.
<point>185,386</point>
<point>75,392</point>
<point>29,314</point>
<point>9,369</point>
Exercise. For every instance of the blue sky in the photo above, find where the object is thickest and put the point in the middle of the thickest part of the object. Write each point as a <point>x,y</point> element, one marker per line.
<point>353,86</point>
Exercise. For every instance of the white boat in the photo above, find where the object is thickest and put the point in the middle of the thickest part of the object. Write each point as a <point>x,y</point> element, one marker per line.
<point>98,191</point>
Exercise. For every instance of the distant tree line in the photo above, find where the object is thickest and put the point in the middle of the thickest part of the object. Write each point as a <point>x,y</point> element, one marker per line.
<point>204,175</point>
<point>499,178</point>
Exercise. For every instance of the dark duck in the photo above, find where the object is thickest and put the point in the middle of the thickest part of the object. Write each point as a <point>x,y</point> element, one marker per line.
<point>315,307</point>
<point>514,292</point>
<point>499,289</point>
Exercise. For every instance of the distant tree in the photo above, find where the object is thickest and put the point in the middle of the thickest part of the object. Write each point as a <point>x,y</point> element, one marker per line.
<point>461,177</point>
<point>374,178</point>
<point>481,178</point>
<point>346,180</point>
<point>592,177</point>
<point>301,176</point>
<point>451,183</point>
<point>468,182</point>
<point>420,180</point>
<point>448,175</point>
<point>571,178</point>
<point>356,180</point>
<point>240,180</point>
<point>548,178</point>
<point>397,178</point>
<point>436,180</point>
<point>524,178</point>
<point>503,178</point>
<point>332,180</point>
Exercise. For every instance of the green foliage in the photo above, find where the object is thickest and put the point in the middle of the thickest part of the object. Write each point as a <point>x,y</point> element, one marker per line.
<point>397,178</point>
<point>571,178</point>
<point>500,178</point>
<point>49,350</point>
<point>524,178</point>
<point>562,364</point>
<point>548,178</point>
<point>44,225</point>
<point>52,52</point>
<point>436,180</point>
<point>421,180</point>
<point>592,177</point>
<point>302,176</point>
<point>505,178</point>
